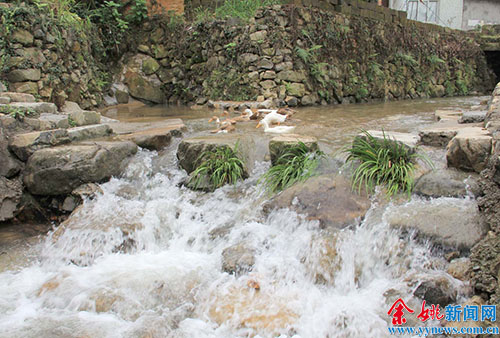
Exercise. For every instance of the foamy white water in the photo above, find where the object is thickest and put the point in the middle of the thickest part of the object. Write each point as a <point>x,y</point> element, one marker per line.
<point>143,259</point>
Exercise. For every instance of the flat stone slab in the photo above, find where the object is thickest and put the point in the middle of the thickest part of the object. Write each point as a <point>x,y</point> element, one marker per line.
<point>175,125</point>
<point>454,222</point>
<point>437,136</point>
<point>410,140</point>
<point>152,136</point>
<point>470,149</point>
<point>55,120</point>
<point>24,145</point>
<point>473,116</point>
<point>19,97</point>
<point>89,132</point>
<point>38,107</point>
<point>5,100</point>
<point>85,117</point>
<point>447,115</point>
<point>59,170</point>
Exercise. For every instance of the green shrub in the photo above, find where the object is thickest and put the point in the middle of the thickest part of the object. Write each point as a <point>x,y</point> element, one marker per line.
<point>222,166</point>
<point>383,162</point>
<point>294,164</point>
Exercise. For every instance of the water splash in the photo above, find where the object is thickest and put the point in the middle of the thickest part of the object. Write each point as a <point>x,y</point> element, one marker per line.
<point>143,259</point>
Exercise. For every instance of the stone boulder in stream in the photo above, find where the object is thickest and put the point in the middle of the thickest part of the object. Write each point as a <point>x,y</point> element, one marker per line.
<point>59,170</point>
<point>326,198</point>
<point>452,222</point>
<point>447,183</point>
<point>190,149</point>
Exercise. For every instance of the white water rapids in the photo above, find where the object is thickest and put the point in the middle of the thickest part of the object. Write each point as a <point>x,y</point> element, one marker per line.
<point>143,259</point>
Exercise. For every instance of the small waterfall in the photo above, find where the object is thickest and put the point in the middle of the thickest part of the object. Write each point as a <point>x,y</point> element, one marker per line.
<point>143,259</point>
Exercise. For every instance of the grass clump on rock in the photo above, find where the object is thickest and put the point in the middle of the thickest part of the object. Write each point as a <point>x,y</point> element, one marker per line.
<point>383,162</point>
<point>296,163</point>
<point>217,168</point>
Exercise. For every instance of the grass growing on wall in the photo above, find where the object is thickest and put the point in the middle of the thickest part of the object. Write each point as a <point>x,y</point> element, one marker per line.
<point>242,9</point>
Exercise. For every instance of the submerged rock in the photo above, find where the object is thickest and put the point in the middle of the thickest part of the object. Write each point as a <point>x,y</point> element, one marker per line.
<point>57,171</point>
<point>238,258</point>
<point>451,222</point>
<point>326,198</point>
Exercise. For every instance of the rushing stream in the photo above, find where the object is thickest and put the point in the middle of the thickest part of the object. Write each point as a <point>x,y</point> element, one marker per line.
<point>143,259</point>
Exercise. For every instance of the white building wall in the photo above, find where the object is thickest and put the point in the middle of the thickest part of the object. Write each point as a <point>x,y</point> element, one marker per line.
<point>480,12</point>
<point>449,11</point>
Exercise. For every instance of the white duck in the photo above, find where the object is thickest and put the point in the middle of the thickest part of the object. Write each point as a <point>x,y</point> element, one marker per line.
<point>277,130</point>
<point>275,117</point>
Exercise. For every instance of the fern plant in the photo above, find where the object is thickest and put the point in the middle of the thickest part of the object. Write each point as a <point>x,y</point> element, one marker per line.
<point>220,166</point>
<point>295,164</point>
<point>383,162</point>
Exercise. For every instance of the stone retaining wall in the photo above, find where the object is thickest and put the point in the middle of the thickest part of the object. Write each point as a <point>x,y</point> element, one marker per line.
<point>42,56</point>
<point>302,56</point>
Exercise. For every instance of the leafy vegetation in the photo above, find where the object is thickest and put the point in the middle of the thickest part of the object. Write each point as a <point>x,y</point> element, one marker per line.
<point>220,167</point>
<point>72,123</point>
<point>16,112</point>
<point>295,164</point>
<point>383,162</point>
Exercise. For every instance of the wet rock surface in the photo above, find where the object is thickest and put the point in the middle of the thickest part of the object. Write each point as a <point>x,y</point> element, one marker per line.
<point>469,150</point>
<point>447,183</point>
<point>56,171</point>
<point>436,291</point>
<point>279,144</point>
<point>326,198</point>
<point>238,259</point>
<point>450,222</point>
<point>190,149</point>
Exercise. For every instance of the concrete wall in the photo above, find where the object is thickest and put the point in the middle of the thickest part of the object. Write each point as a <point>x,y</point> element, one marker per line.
<point>479,12</point>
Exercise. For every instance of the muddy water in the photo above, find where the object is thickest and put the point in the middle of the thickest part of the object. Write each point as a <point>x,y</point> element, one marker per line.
<point>332,125</point>
<point>143,259</point>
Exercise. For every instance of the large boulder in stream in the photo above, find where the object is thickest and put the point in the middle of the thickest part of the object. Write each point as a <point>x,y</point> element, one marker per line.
<point>452,222</point>
<point>447,183</point>
<point>279,144</point>
<point>326,198</point>
<point>59,170</point>
<point>469,150</point>
<point>190,149</point>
